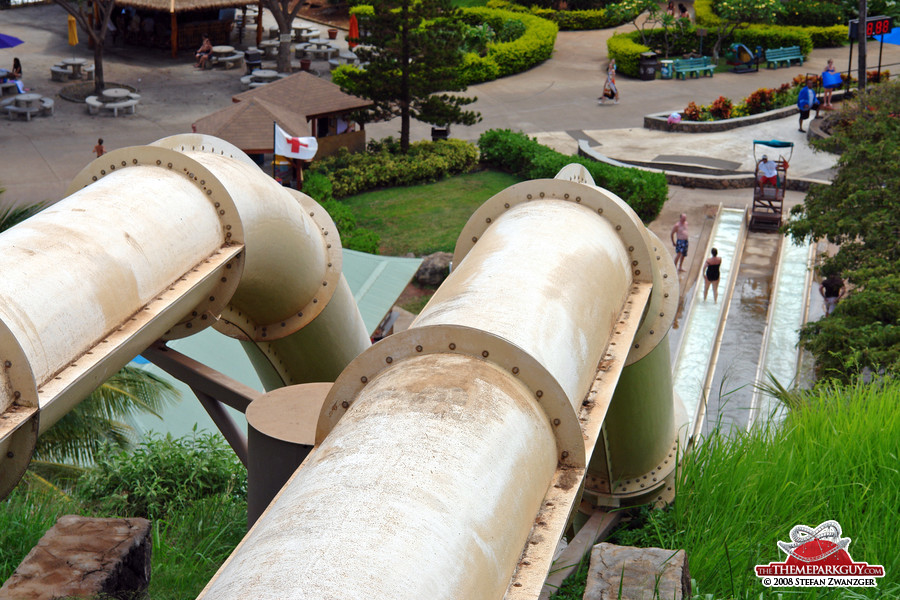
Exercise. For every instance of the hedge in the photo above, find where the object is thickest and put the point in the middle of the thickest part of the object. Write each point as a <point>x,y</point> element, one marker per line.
<point>805,37</point>
<point>568,20</point>
<point>516,152</point>
<point>625,48</point>
<point>508,58</point>
<point>385,167</point>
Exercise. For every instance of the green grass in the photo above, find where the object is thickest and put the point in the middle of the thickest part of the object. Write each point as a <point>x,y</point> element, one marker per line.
<point>834,458</point>
<point>428,218</point>
<point>468,3</point>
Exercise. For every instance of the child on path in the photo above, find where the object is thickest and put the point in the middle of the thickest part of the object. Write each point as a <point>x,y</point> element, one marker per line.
<point>609,88</point>
<point>99,150</point>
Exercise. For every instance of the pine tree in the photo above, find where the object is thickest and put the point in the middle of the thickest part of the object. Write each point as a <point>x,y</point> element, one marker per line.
<point>411,55</point>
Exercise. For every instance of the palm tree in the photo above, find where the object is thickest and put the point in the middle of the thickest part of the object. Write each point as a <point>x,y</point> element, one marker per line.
<point>104,418</point>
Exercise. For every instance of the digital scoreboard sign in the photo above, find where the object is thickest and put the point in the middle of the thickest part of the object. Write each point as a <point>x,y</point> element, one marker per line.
<point>874,26</point>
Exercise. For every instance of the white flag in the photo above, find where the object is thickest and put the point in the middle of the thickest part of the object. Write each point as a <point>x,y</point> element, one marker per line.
<point>294,147</point>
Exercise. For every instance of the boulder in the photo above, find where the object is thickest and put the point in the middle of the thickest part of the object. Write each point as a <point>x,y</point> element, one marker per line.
<point>434,269</point>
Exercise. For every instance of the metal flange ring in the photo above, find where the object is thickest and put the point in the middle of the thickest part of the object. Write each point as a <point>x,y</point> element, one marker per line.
<point>628,226</point>
<point>458,339</point>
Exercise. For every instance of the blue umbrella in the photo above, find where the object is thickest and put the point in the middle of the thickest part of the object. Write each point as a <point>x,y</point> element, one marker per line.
<point>8,41</point>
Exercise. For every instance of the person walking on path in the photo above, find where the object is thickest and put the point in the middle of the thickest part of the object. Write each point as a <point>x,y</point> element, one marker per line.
<point>609,88</point>
<point>711,274</point>
<point>99,150</point>
<point>807,101</point>
<point>832,290</point>
<point>679,236</point>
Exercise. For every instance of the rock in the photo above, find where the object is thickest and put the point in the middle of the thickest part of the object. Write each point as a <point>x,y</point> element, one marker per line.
<point>648,573</point>
<point>434,269</point>
<point>84,557</point>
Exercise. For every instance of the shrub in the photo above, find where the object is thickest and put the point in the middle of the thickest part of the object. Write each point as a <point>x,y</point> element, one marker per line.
<point>384,167</point>
<point>760,101</point>
<point>692,112</point>
<point>720,108</point>
<point>534,46</point>
<point>516,152</point>
<point>164,473</point>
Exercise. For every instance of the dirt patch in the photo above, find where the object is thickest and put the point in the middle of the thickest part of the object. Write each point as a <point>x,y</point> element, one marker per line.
<point>323,11</point>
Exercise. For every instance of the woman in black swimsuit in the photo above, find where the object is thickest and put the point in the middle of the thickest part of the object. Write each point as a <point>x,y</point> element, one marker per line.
<point>711,275</point>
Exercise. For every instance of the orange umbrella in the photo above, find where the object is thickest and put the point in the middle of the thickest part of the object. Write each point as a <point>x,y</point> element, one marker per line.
<point>73,31</point>
<point>354,31</point>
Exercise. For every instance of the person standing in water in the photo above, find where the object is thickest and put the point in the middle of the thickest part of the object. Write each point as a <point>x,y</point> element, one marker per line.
<point>711,274</point>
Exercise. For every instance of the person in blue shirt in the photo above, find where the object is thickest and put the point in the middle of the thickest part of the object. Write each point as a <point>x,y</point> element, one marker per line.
<point>807,101</point>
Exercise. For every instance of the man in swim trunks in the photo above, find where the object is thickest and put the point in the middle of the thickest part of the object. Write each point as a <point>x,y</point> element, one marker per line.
<point>768,173</point>
<point>679,238</point>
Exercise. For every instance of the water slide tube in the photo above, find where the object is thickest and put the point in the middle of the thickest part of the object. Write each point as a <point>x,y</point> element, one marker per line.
<point>450,457</point>
<point>158,242</point>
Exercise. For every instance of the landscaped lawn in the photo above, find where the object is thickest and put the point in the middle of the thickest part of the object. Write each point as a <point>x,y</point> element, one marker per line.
<point>428,218</point>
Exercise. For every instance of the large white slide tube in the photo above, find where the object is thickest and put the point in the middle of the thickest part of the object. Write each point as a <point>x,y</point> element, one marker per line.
<point>153,241</point>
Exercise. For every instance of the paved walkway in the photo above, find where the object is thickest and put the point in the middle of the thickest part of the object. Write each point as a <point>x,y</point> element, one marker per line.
<point>554,101</point>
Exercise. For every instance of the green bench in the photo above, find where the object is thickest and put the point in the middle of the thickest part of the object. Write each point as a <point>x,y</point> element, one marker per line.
<point>692,66</point>
<point>778,56</point>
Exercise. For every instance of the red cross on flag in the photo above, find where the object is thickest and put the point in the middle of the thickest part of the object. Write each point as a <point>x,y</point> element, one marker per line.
<point>287,145</point>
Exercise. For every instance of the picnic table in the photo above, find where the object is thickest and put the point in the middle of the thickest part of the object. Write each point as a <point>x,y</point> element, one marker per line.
<point>269,48</point>
<point>113,100</point>
<point>264,75</point>
<point>74,65</point>
<point>222,50</point>
<point>319,48</point>
<point>27,105</point>
<point>303,33</point>
<point>27,100</point>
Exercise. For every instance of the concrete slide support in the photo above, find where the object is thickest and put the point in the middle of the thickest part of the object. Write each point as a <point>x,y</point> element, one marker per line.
<point>156,242</point>
<point>449,458</point>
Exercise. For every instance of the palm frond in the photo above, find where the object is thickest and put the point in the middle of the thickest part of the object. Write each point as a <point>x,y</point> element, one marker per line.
<point>14,215</point>
<point>106,417</point>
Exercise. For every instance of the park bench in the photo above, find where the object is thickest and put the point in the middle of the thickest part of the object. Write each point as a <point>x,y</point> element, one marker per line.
<point>47,106</point>
<point>9,86</point>
<point>786,55</point>
<point>692,66</point>
<point>22,110</point>
<point>59,73</point>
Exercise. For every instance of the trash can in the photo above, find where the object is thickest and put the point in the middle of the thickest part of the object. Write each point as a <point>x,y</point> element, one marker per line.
<point>440,133</point>
<point>648,66</point>
<point>665,71</point>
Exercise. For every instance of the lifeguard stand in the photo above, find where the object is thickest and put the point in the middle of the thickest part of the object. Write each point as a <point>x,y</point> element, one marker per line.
<point>768,200</point>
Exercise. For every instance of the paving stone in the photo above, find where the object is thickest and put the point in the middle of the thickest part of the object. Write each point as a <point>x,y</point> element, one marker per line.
<point>642,573</point>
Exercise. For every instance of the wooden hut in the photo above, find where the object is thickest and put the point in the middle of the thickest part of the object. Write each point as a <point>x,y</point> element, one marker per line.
<point>178,24</point>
